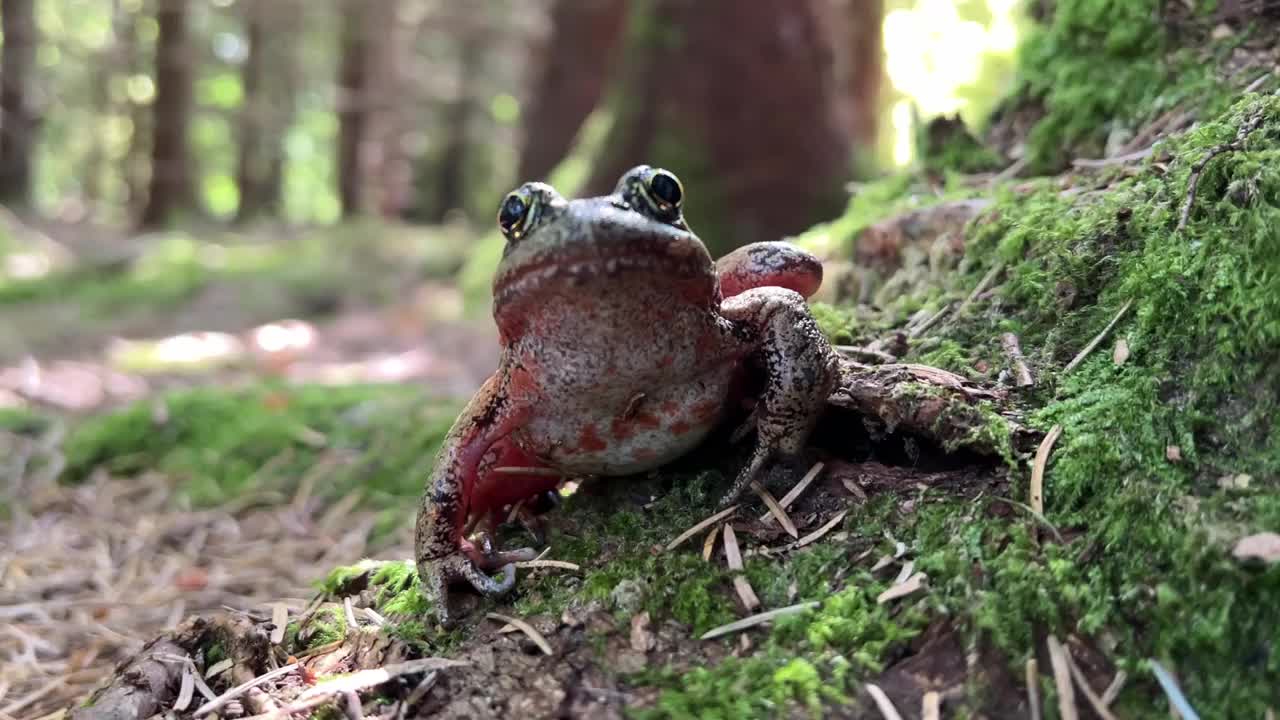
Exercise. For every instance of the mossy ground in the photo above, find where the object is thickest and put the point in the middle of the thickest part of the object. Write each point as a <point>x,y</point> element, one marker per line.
<point>1137,565</point>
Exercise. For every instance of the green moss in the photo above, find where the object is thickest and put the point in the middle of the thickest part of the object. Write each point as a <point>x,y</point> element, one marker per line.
<point>327,625</point>
<point>1098,66</point>
<point>220,444</point>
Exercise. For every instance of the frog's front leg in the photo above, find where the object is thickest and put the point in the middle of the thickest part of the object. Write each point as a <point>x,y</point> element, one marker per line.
<point>801,369</point>
<point>442,552</point>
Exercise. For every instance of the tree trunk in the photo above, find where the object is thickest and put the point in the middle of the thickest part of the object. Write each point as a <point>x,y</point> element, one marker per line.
<point>268,84</point>
<point>17,121</point>
<point>171,176</point>
<point>858,27</point>
<point>758,161</point>
<point>366,25</point>
<point>451,173</point>
<point>137,158</point>
<point>573,67</point>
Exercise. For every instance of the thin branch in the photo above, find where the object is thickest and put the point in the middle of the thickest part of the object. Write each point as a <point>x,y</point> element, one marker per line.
<point>1097,340</point>
<point>1248,126</point>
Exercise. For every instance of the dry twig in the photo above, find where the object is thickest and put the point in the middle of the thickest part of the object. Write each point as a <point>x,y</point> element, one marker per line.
<point>1082,682</point>
<point>759,619</point>
<point>1250,124</point>
<point>1014,350</point>
<point>1033,688</point>
<point>1062,678</point>
<point>883,702</point>
<point>1037,470</point>
<point>527,629</point>
<point>1097,340</point>
<point>772,503</point>
<point>703,525</point>
<point>734,557</point>
<point>796,491</point>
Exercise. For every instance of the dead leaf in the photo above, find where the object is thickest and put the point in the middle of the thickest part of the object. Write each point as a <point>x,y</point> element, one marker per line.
<point>1121,354</point>
<point>1262,546</point>
<point>912,584</point>
<point>642,639</point>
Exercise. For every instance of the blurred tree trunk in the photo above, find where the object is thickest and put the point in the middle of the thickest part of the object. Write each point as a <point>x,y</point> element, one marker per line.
<point>268,81</point>
<point>858,39</point>
<point>171,177</point>
<point>759,161</point>
<point>136,160</point>
<point>107,64</point>
<point>366,92</point>
<point>451,172</point>
<point>17,121</point>
<point>571,70</point>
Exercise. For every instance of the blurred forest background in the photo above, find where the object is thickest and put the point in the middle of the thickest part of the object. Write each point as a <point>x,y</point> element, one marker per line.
<point>211,165</point>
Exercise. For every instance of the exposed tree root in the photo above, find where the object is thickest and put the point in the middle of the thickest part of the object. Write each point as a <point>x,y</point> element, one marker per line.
<point>934,404</point>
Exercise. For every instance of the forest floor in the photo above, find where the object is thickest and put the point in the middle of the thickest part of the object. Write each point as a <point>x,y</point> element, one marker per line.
<point>200,551</point>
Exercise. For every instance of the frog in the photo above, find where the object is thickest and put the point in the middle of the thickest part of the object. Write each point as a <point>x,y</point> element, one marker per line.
<point>622,347</point>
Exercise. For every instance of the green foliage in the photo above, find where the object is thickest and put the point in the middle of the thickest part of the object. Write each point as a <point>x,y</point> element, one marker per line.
<point>1098,65</point>
<point>221,444</point>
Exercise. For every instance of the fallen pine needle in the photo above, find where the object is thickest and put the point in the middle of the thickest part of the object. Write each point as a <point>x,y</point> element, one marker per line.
<point>350,612</point>
<point>1097,340</point>
<point>561,564</point>
<point>776,510</point>
<point>31,697</point>
<point>187,690</point>
<point>903,589</point>
<point>361,680</point>
<point>1113,690</point>
<point>1174,693</point>
<point>760,619</point>
<point>883,702</point>
<point>1083,683</point>
<point>1037,470</point>
<point>527,629</point>
<point>279,619</point>
<point>709,545</point>
<point>734,557</point>
<point>931,706</point>
<point>240,689</point>
<point>1033,688</point>
<point>796,491</point>
<point>702,526</point>
<point>817,534</point>
<point>1062,678</point>
<point>1013,349</point>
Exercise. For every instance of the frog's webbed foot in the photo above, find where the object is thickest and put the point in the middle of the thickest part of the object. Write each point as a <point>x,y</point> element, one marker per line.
<point>801,369</point>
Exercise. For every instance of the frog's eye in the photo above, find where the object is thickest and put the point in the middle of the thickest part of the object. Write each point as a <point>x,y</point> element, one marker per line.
<point>513,213</point>
<point>665,190</point>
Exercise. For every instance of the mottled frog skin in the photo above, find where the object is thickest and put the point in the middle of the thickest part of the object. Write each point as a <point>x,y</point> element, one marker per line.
<point>621,342</point>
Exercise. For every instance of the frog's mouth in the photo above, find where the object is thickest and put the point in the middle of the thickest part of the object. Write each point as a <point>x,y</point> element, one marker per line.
<point>673,260</point>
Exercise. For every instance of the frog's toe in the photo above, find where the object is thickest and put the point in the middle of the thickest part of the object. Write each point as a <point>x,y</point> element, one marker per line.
<point>484,583</point>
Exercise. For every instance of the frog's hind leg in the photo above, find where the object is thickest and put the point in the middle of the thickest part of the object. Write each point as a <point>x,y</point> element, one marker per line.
<point>769,264</point>
<point>801,370</point>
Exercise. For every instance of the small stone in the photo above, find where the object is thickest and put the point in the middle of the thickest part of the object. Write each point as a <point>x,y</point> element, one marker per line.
<point>1235,482</point>
<point>1173,453</point>
<point>628,595</point>
<point>1263,546</point>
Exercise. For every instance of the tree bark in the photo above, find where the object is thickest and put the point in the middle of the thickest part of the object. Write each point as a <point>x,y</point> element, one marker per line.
<point>268,84</point>
<point>573,67</point>
<point>758,161</point>
<point>859,72</point>
<point>17,120</point>
<point>368,28</point>
<point>451,173</point>
<point>171,174</point>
